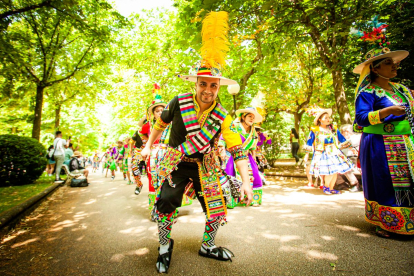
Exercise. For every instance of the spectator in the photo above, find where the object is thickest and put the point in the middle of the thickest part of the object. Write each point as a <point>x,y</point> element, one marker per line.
<point>294,140</point>
<point>76,166</point>
<point>95,162</point>
<point>59,153</point>
<point>69,152</point>
<point>50,163</point>
<point>352,154</point>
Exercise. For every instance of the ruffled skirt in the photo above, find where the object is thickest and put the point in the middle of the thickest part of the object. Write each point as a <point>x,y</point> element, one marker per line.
<point>329,163</point>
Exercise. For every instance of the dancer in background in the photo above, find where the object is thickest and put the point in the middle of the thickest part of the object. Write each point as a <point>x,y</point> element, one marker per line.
<point>244,126</point>
<point>324,139</point>
<point>140,142</point>
<point>126,153</point>
<point>260,157</point>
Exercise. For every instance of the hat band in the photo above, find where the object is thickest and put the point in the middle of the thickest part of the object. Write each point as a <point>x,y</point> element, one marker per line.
<point>212,72</point>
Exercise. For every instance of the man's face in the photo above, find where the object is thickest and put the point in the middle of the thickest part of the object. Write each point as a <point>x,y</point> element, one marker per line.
<point>207,89</point>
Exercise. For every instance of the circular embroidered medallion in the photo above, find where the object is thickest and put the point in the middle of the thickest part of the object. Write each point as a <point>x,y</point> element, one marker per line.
<point>388,128</point>
<point>398,99</point>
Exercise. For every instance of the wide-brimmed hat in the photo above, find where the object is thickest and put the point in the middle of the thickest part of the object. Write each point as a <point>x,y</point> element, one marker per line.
<point>257,117</point>
<point>208,73</point>
<point>372,56</point>
<point>157,100</point>
<point>215,46</point>
<point>77,154</point>
<point>320,113</point>
<point>376,36</point>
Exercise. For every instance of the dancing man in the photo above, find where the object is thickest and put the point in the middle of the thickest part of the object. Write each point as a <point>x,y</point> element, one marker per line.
<point>195,124</point>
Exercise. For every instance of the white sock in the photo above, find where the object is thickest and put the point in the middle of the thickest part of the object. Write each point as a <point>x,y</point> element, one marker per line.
<point>163,250</point>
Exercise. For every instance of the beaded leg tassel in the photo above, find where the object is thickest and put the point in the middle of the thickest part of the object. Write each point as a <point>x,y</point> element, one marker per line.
<point>212,226</point>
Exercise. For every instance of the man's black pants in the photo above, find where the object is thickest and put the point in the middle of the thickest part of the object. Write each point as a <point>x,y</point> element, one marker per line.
<point>171,198</point>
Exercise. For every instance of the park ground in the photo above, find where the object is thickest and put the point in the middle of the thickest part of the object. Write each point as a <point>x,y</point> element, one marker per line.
<point>104,229</point>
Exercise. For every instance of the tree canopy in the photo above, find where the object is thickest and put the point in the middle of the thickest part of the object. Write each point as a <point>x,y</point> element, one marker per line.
<point>81,67</point>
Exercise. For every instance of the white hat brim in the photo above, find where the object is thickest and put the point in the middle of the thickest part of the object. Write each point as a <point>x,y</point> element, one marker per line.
<point>257,117</point>
<point>151,107</point>
<point>223,80</point>
<point>395,55</point>
<point>315,121</point>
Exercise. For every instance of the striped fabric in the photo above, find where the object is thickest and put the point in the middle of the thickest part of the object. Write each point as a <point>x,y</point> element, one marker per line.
<point>199,138</point>
<point>397,158</point>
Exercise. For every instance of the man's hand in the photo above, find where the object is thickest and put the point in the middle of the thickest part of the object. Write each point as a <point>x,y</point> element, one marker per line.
<point>246,194</point>
<point>145,152</point>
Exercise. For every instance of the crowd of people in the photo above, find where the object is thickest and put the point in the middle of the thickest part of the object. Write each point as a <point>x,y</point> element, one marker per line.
<point>191,148</point>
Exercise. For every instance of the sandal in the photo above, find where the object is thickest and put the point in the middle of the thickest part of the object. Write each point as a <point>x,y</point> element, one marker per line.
<point>326,190</point>
<point>382,233</point>
<point>336,192</point>
<point>217,253</point>
<point>165,258</point>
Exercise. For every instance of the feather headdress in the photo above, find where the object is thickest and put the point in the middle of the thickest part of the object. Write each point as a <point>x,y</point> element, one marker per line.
<point>213,50</point>
<point>215,42</point>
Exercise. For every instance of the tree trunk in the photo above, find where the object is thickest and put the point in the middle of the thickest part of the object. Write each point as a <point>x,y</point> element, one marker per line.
<point>57,117</point>
<point>298,119</point>
<point>37,121</point>
<point>340,98</point>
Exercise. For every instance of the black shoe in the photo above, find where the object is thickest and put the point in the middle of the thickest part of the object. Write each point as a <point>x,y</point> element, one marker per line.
<point>218,253</point>
<point>138,190</point>
<point>165,258</point>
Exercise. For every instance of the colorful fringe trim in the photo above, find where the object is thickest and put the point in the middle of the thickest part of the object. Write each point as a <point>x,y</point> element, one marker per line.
<point>398,220</point>
<point>238,153</point>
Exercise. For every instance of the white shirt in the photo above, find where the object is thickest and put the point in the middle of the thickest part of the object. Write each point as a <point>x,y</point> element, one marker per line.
<point>59,145</point>
<point>355,141</point>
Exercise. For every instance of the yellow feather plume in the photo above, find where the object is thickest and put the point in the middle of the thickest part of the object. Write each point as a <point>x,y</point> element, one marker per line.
<point>215,42</point>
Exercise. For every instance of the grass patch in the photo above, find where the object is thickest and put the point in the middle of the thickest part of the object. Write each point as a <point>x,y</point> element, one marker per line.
<point>14,195</point>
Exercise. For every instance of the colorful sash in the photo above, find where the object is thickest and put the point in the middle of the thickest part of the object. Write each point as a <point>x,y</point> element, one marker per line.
<point>252,138</point>
<point>198,138</point>
<point>210,184</point>
<point>400,154</point>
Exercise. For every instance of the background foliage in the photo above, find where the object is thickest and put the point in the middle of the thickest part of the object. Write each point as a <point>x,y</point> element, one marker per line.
<point>22,160</point>
<point>97,68</point>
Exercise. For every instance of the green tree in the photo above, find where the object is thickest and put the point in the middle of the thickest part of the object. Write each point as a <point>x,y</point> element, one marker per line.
<point>48,46</point>
<point>326,23</point>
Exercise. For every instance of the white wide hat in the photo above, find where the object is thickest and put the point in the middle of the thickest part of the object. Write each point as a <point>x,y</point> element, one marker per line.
<point>397,56</point>
<point>257,117</point>
<point>320,113</point>
<point>205,72</point>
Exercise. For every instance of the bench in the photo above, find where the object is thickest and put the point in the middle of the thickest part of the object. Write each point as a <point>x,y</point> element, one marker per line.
<point>70,175</point>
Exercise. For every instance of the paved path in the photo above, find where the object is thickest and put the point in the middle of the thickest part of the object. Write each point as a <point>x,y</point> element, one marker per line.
<point>104,230</point>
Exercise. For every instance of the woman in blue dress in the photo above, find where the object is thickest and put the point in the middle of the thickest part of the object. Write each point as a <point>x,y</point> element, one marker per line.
<point>384,115</point>
<point>325,140</point>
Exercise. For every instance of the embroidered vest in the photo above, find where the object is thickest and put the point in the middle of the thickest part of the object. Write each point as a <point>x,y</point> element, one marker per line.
<point>199,138</point>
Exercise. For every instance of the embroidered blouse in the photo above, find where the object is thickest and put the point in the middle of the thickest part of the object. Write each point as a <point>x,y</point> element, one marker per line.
<point>373,98</point>
<point>321,139</point>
